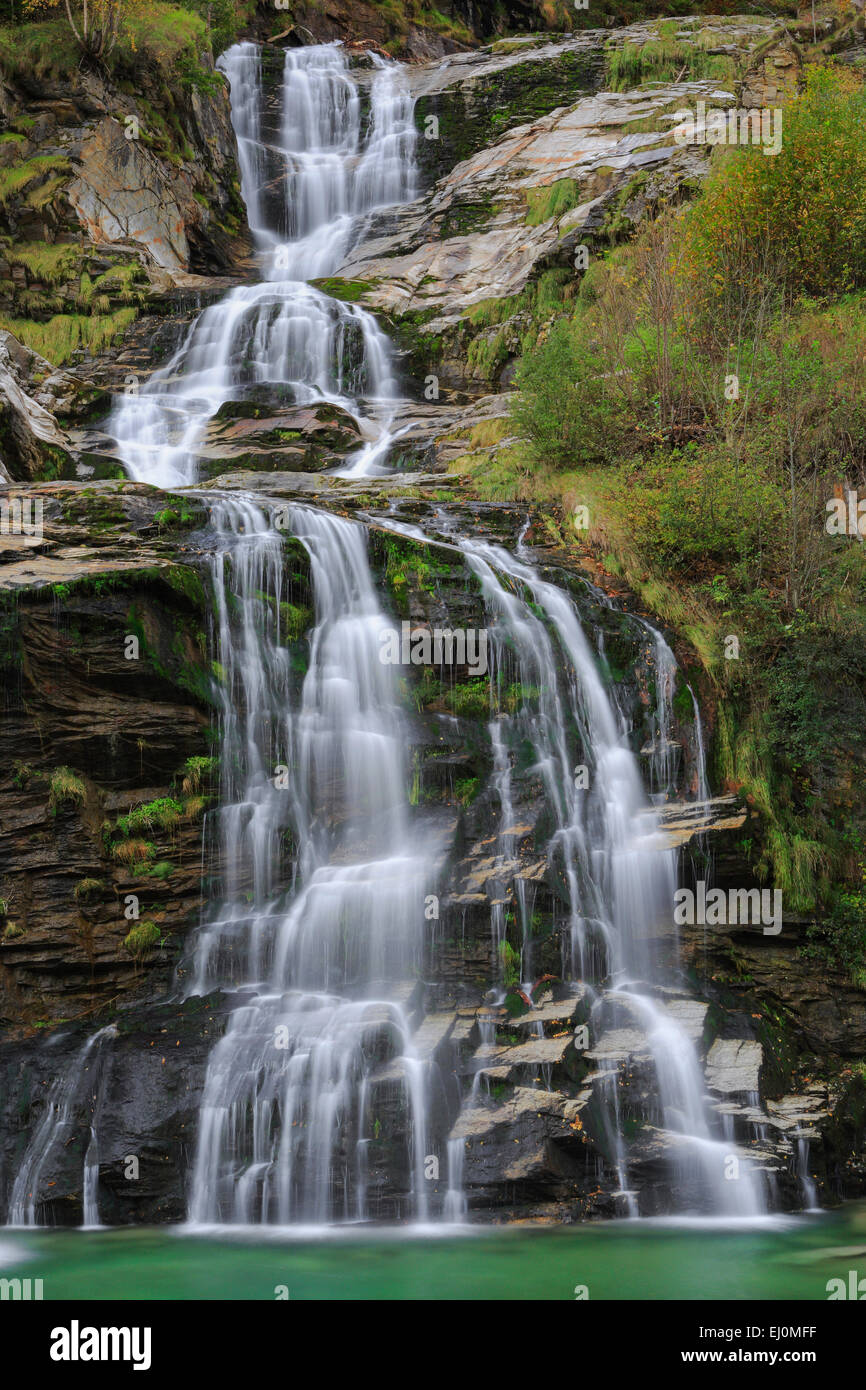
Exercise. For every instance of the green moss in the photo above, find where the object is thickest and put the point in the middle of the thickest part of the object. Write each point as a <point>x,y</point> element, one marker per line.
<point>188,582</point>
<point>409,564</point>
<point>21,178</point>
<point>143,938</point>
<point>467,218</point>
<point>163,870</point>
<point>553,200</point>
<point>295,620</point>
<point>163,814</point>
<point>349,291</point>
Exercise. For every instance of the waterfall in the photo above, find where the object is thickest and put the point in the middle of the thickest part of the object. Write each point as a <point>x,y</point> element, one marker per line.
<point>322,1083</point>
<point>808,1190</point>
<point>308,187</point>
<point>662,761</point>
<point>455,1200</point>
<point>286,1120</point>
<point>620,880</point>
<point>86,1068</point>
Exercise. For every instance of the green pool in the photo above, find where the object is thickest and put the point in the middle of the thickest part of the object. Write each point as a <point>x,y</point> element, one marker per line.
<point>784,1258</point>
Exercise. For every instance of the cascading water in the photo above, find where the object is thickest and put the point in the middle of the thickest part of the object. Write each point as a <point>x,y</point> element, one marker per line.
<point>286,1089</point>
<point>662,759</point>
<point>83,1079</point>
<point>620,881</point>
<point>283,332</point>
<point>322,961</point>
<point>285,1120</point>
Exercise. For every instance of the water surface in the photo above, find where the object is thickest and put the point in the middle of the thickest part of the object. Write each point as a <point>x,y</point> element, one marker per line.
<point>789,1258</point>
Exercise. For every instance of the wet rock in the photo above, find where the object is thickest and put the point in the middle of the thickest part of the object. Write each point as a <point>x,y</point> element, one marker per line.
<point>680,822</point>
<point>146,1109</point>
<point>734,1066</point>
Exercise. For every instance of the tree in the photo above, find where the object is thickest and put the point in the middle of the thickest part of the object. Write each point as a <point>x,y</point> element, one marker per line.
<point>95,23</point>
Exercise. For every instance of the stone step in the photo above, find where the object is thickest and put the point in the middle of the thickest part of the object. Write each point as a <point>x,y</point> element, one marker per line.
<point>513,1063</point>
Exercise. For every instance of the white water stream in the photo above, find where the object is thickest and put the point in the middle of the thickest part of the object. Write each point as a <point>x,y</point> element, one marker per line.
<point>308,188</point>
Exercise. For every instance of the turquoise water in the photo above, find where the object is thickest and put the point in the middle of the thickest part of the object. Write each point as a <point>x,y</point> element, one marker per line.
<point>785,1258</point>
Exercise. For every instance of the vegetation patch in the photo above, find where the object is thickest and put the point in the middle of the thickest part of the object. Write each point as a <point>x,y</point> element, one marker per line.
<point>65,334</point>
<point>66,788</point>
<point>552,200</point>
<point>665,58</point>
<point>163,814</point>
<point>143,938</point>
<point>701,394</point>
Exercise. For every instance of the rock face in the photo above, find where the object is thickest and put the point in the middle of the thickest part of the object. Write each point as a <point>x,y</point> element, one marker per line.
<point>90,735</point>
<point>501,188</point>
<point>123,194</point>
<point>525,160</point>
<point>774,75</point>
<point>409,31</point>
<point>127,184</point>
<point>139,1084</point>
<point>30,434</point>
<point>109,199</point>
<point>108,775</point>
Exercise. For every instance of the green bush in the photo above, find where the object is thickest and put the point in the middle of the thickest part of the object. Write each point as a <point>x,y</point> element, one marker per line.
<point>840,940</point>
<point>695,507</point>
<point>162,814</point>
<point>569,409</point>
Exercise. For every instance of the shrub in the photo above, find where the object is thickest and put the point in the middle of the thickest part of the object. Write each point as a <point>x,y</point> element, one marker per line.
<point>163,870</point>
<point>133,851</point>
<point>88,888</point>
<point>809,199</point>
<point>840,940</point>
<point>569,409</point>
<point>471,700</point>
<point>196,771</point>
<point>698,507</point>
